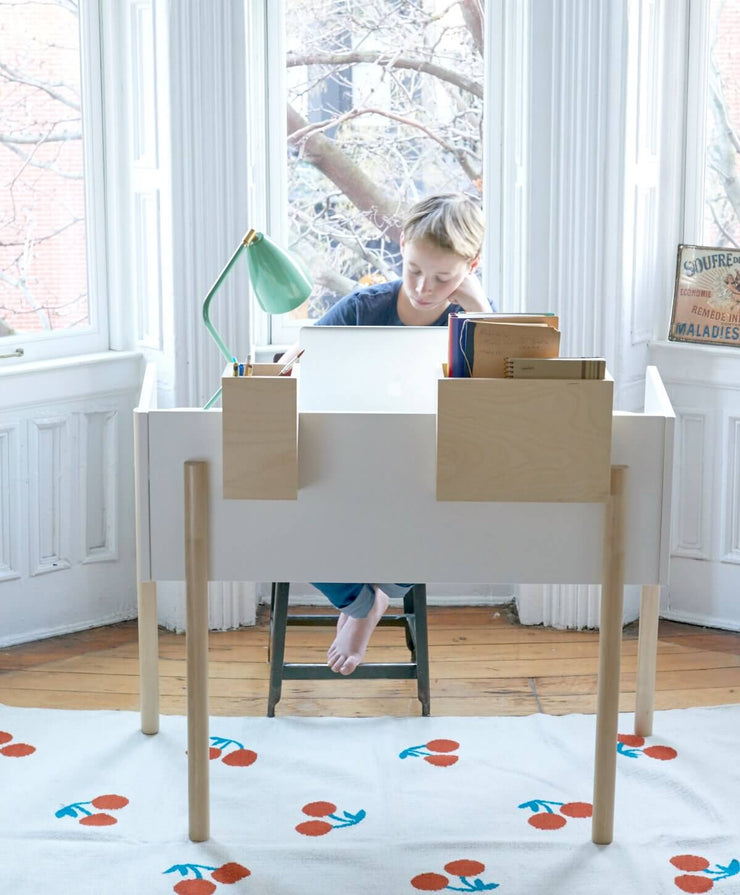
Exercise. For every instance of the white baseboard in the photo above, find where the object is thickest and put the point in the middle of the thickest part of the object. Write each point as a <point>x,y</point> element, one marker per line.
<point>45,633</point>
<point>704,621</point>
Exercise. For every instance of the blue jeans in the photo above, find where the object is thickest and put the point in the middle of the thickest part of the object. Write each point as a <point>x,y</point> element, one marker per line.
<point>357,600</point>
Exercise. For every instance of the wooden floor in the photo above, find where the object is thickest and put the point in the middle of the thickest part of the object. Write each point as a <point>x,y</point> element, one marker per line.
<point>482,663</point>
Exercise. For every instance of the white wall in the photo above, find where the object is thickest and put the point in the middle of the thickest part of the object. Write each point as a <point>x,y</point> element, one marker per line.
<point>66,495</point>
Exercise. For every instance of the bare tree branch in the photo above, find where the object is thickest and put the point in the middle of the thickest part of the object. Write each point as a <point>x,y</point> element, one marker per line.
<point>49,89</point>
<point>387,60</point>
<point>31,162</point>
<point>459,153</point>
<point>35,139</point>
<point>378,206</point>
<point>472,12</point>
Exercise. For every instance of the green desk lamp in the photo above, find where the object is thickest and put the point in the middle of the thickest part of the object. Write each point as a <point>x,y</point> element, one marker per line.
<point>280,283</point>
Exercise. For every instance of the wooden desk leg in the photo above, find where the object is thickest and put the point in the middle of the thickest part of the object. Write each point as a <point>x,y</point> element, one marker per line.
<point>148,656</point>
<point>610,643</point>
<point>647,654</point>
<point>196,619</point>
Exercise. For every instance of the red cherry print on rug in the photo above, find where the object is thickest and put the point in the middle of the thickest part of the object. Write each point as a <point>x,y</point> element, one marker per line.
<point>194,887</point>
<point>14,750</point>
<point>435,752</point>
<point>327,810</point>
<point>468,878</point>
<point>195,883</point>
<point>689,862</point>
<point>238,757</point>
<point>230,873</point>
<point>544,816</point>
<point>546,821</point>
<point>630,745</point>
<point>687,882</point>
<point>661,753</point>
<point>577,809</point>
<point>699,875</point>
<point>82,812</point>
<point>430,882</point>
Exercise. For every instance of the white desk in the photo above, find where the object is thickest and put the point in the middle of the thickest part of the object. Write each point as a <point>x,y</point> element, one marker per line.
<point>354,468</point>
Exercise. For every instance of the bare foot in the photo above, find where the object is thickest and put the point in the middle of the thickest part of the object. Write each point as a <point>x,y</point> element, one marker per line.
<point>353,636</point>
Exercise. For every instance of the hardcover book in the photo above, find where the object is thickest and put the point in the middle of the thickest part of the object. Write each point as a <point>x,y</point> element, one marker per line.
<point>555,368</point>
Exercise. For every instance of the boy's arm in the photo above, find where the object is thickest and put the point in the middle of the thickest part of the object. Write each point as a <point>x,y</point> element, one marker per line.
<point>470,295</point>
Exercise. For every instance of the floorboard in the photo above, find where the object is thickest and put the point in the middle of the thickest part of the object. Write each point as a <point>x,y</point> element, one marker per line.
<point>483,662</point>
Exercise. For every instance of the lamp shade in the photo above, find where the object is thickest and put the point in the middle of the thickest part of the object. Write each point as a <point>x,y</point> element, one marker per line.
<point>279,280</point>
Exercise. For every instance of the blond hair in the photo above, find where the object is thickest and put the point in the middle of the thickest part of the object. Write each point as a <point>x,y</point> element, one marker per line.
<point>451,221</point>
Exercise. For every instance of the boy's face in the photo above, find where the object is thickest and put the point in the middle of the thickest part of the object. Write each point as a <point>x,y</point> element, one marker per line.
<point>431,274</point>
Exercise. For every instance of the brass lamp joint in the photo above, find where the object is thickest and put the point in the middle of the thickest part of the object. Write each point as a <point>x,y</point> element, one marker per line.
<point>250,237</point>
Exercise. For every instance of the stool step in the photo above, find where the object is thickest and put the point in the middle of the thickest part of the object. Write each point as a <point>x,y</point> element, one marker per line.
<point>296,671</point>
<point>387,621</point>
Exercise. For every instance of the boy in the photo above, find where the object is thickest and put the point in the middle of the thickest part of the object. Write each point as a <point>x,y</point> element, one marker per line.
<point>441,242</point>
<point>440,248</point>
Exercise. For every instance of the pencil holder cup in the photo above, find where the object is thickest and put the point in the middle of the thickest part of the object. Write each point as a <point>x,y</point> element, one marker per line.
<point>260,434</point>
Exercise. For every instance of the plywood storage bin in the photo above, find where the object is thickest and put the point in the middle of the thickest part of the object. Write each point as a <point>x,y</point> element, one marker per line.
<point>260,435</point>
<point>530,440</point>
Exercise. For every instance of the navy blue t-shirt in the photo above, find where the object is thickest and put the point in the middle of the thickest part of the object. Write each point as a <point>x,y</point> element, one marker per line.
<point>373,306</point>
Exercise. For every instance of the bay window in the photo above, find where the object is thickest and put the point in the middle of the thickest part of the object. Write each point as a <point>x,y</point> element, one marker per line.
<point>371,104</point>
<point>52,234</point>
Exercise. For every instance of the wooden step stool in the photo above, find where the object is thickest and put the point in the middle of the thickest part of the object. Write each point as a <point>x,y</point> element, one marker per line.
<point>413,620</point>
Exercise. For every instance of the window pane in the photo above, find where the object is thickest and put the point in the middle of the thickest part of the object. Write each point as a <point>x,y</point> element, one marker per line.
<point>43,269</point>
<point>721,225</point>
<point>385,104</point>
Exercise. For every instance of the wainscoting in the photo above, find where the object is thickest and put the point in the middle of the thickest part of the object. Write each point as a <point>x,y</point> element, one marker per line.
<point>704,386</point>
<point>67,558</point>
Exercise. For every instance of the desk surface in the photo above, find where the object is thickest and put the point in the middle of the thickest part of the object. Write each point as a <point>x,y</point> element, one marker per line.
<point>366,507</point>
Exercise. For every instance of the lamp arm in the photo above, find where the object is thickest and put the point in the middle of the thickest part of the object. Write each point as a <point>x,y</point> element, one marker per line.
<point>207,302</point>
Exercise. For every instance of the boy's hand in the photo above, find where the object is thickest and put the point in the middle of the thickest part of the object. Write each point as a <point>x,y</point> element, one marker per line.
<point>470,296</point>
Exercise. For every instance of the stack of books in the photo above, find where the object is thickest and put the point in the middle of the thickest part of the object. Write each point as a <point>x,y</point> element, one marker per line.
<point>480,343</point>
<point>514,346</point>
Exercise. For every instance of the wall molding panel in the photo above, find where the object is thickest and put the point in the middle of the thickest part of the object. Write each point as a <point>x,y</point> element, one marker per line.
<point>10,501</point>
<point>691,531</point>
<point>731,527</point>
<point>99,475</point>
<point>50,456</point>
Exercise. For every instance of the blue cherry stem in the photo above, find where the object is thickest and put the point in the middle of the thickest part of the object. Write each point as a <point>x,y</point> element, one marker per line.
<point>415,751</point>
<point>732,869</point>
<point>479,886</point>
<point>222,742</point>
<point>184,869</point>
<point>79,806</point>
<point>536,804</point>
<point>628,751</point>
<point>349,820</point>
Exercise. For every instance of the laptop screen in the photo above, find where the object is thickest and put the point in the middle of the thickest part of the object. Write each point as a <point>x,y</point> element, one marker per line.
<point>388,369</point>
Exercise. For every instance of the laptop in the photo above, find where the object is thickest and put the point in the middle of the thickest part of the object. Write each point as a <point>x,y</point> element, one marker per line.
<point>388,369</point>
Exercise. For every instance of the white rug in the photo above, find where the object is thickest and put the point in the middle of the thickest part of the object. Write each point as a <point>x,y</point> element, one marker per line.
<point>388,806</point>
